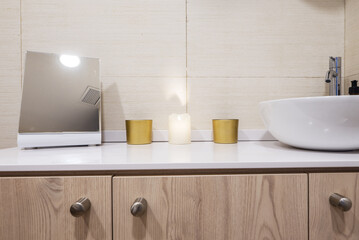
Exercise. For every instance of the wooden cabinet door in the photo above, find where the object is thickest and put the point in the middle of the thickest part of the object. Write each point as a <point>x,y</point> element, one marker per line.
<point>38,208</point>
<point>248,207</point>
<point>325,221</point>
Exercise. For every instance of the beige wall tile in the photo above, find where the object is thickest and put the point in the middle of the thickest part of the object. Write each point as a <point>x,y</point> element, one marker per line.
<point>141,98</point>
<point>142,46</point>
<point>239,52</point>
<point>352,37</point>
<point>9,71</point>
<point>132,37</point>
<point>211,98</point>
<point>241,38</point>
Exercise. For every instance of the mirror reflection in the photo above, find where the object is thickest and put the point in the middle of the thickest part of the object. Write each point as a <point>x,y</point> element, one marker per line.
<point>61,93</point>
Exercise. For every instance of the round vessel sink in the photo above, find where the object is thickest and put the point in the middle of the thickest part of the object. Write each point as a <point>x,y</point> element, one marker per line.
<point>317,123</point>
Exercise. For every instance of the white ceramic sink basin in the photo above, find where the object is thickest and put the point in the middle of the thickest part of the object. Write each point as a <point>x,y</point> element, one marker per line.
<point>318,123</point>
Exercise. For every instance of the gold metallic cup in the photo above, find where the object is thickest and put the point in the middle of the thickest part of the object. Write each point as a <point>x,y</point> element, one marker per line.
<point>225,130</point>
<point>139,131</point>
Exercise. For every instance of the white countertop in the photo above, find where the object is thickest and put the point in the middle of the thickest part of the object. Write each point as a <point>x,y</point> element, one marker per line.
<point>161,155</point>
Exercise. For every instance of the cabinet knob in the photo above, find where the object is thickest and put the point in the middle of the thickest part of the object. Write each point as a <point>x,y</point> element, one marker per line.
<point>139,207</point>
<point>341,202</point>
<point>80,207</point>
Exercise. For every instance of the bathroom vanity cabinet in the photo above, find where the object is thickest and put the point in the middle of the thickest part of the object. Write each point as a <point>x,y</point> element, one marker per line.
<point>229,206</point>
<point>37,208</point>
<point>327,222</point>
<point>250,190</point>
<point>212,207</point>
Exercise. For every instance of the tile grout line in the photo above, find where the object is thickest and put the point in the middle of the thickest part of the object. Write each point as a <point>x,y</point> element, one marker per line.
<point>201,76</point>
<point>308,208</point>
<point>345,48</point>
<point>20,19</point>
<point>352,75</point>
<point>343,80</point>
<point>112,220</point>
<point>186,9</point>
<point>264,77</point>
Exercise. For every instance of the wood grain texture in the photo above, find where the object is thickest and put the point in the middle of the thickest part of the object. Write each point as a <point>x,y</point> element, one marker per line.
<point>37,208</point>
<point>277,38</point>
<point>179,172</point>
<point>325,221</point>
<point>351,37</point>
<point>10,72</point>
<point>212,207</point>
<point>212,98</point>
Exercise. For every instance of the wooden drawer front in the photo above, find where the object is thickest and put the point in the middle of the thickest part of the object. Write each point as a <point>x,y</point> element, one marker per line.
<point>38,208</point>
<point>325,221</point>
<point>249,207</point>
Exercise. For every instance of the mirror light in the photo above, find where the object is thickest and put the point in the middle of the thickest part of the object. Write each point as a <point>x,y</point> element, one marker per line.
<point>70,61</point>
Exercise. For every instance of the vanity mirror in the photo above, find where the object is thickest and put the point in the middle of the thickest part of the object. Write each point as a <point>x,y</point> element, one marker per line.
<point>61,101</point>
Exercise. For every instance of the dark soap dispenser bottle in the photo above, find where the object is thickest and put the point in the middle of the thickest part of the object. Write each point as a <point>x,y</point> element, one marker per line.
<point>354,89</point>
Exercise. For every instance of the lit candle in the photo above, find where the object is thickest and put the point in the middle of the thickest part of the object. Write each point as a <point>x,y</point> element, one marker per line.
<point>179,129</point>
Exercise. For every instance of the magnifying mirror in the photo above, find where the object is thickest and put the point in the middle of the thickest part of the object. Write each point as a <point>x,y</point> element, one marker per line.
<point>61,101</point>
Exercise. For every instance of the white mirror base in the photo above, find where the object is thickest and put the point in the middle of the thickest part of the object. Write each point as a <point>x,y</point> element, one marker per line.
<point>32,140</point>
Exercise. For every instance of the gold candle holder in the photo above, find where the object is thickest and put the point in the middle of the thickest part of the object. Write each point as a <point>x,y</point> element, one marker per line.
<point>225,130</point>
<point>139,131</point>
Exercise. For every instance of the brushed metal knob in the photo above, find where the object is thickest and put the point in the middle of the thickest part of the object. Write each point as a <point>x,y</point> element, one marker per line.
<point>341,202</point>
<point>139,207</point>
<point>80,207</point>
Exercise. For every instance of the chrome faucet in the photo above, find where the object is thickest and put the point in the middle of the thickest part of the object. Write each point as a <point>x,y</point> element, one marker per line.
<point>334,75</point>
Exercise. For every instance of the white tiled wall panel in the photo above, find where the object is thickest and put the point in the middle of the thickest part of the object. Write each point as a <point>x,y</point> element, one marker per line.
<point>243,52</point>
<point>263,38</point>
<point>141,98</point>
<point>212,98</point>
<point>352,38</point>
<point>132,37</point>
<point>217,59</point>
<point>10,72</point>
<point>142,46</point>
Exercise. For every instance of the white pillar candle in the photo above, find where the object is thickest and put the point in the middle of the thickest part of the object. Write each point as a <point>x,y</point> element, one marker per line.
<point>179,129</point>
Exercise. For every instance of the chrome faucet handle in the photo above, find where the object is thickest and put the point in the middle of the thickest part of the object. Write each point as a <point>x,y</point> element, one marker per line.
<point>330,74</point>
<point>332,62</point>
<point>334,76</point>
